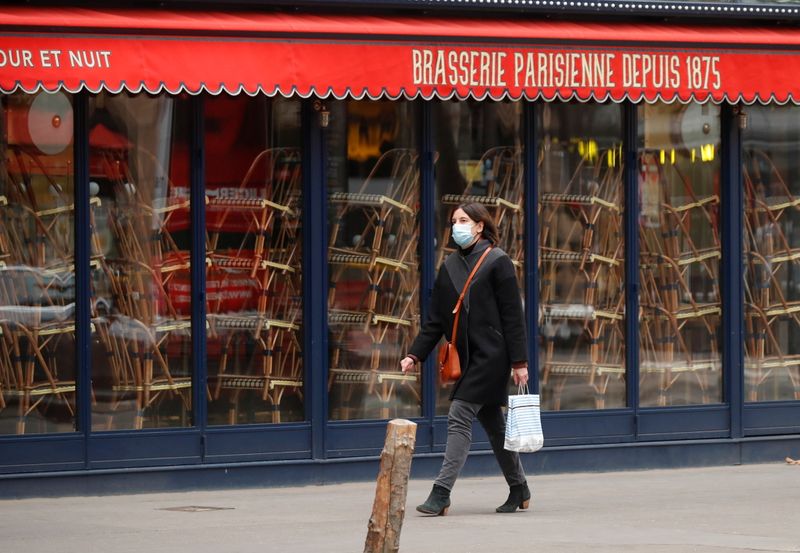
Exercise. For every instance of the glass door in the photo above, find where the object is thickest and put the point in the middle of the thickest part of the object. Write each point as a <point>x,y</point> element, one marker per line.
<point>141,309</point>
<point>373,302</point>
<point>682,380</point>
<point>254,255</point>
<point>581,257</point>
<point>38,372</point>
<point>680,358</point>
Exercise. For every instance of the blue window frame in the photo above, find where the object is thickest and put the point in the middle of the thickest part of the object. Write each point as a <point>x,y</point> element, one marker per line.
<point>317,437</point>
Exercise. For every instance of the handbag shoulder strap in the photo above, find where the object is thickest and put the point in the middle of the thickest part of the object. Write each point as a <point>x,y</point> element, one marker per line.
<point>457,308</point>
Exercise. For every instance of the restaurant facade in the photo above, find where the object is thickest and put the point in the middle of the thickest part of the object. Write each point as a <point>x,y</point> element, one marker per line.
<point>220,226</point>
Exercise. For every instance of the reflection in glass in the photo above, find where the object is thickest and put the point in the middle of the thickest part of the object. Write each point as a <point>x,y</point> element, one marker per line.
<point>479,158</point>
<point>373,300</point>
<point>772,253</point>
<point>581,257</point>
<point>253,260</point>
<point>37,272</point>
<point>679,246</point>
<point>141,309</point>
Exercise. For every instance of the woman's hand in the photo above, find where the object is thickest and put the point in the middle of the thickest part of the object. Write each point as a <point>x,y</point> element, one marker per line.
<point>520,375</point>
<point>407,363</point>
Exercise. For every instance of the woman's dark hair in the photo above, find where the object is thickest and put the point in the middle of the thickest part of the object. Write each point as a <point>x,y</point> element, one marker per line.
<point>478,213</point>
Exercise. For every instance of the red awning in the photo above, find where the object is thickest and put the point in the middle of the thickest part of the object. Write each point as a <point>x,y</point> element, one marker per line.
<point>360,56</point>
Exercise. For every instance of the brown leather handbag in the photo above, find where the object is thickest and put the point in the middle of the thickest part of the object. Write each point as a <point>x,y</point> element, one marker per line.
<point>449,363</point>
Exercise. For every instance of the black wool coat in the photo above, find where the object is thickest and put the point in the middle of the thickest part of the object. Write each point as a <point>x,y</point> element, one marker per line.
<point>491,331</point>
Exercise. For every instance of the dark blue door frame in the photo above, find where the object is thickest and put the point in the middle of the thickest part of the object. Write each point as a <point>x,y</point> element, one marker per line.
<point>366,437</point>
<point>427,246</point>
<point>82,271</point>
<point>315,276</point>
<point>563,428</point>
<point>296,440</point>
<point>531,198</point>
<point>198,264</point>
<point>664,423</point>
<point>631,193</point>
<point>152,447</point>
<point>732,267</point>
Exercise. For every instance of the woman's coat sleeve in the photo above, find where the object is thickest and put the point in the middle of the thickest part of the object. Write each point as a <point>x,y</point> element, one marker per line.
<point>433,327</point>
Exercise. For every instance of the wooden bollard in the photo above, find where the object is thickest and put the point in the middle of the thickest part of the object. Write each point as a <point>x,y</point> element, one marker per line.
<point>383,531</point>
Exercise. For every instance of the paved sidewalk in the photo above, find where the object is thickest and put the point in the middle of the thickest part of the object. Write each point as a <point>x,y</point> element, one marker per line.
<point>741,508</point>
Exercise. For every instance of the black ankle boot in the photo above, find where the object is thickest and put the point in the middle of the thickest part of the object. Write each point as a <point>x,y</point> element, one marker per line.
<point>437,503</point>
<point>519,496</point>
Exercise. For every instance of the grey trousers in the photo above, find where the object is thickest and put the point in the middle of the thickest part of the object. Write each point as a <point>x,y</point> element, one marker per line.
<point>459,438</point>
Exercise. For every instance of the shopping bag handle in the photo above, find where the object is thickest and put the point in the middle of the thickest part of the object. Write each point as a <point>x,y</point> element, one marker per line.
<point>522,389</point>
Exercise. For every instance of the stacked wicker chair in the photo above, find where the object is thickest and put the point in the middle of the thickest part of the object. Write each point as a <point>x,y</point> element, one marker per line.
<point>679,297</point>
<point>772,307</point>
<point>254,248</point>
<point>382,254</point>
<point>581,265</point>
<point>145,331</point>
<point>37,326</point>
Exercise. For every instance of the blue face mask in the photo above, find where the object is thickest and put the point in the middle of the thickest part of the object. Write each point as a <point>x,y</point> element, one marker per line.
<point>462,234</point>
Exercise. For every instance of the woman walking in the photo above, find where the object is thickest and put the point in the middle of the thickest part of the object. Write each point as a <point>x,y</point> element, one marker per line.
<point>491,342</point>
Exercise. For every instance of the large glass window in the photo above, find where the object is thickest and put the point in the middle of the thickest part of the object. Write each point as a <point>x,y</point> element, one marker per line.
<point>253,260</point>
<point>373,300</point>
<point>771,149</point>
<point>37,270</point>
<point>679,250</point>
<point>581,256</point>
<point>141,304</point>
<point>479,158</point>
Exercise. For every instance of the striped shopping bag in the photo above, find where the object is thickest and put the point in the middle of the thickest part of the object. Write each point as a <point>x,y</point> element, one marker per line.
<point>524,423</point>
